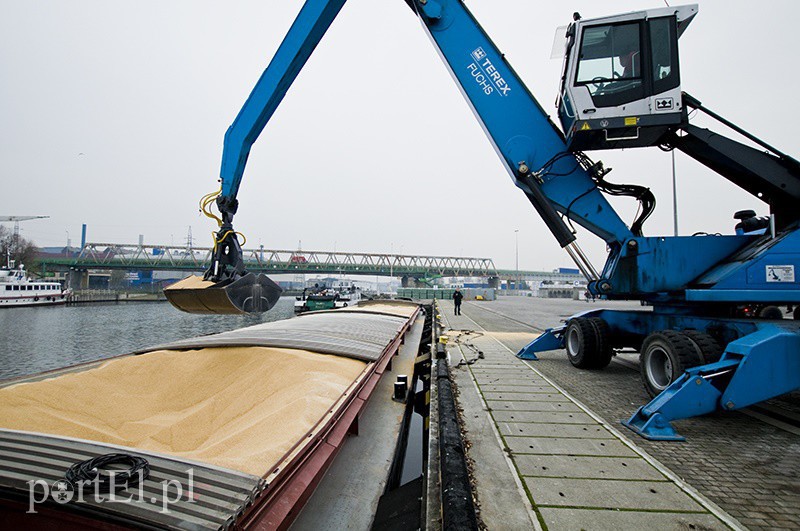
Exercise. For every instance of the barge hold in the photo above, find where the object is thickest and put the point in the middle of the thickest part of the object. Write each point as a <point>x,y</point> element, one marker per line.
<point>235,429</point>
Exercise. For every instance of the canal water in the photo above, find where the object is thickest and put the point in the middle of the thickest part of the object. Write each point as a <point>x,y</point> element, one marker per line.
<point>35,339</point>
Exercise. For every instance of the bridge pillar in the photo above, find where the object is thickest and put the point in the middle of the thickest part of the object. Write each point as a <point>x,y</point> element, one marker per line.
<point>405,281</point>
<point>78,279</point>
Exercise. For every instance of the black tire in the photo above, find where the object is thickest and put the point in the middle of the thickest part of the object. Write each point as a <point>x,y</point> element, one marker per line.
<point>770,312</point>
<point>603,354</point>
<point>706,347</point>
<point>664,357</point>
<point>580,342</point>
<point>796,314</point>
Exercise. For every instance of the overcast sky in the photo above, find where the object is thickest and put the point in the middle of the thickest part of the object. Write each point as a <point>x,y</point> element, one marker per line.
<point>113,114</point>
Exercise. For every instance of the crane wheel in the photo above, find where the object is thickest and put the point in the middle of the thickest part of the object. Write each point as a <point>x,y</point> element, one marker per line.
<point>664,357</point>
<point>585,340</point>
<point>770,312</point>
<point>579,338</point>
<point>604,352</point>
<point>707,348</point>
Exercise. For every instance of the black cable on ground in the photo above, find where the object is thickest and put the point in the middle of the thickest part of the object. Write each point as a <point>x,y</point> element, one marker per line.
<point>468,344</point>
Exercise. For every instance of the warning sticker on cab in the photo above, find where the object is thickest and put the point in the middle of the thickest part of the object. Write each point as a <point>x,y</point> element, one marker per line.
<point>780,273</point>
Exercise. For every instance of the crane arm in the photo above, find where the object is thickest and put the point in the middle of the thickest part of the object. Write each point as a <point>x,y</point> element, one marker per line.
<point>558,183</point>
<point>532,148</point>
<point>530,145</point>
<point>309,27</point>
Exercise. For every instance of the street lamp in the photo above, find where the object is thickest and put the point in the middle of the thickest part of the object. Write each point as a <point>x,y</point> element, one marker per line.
<point>516,254</point>
<point>674,196</point>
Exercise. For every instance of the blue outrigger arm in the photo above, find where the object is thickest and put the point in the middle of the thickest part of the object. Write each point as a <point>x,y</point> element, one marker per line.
<point>551,339</point>
<point>754,368</point>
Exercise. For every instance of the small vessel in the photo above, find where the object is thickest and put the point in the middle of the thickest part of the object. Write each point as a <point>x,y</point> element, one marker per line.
<point>323,298</point>
<point>17,289</point>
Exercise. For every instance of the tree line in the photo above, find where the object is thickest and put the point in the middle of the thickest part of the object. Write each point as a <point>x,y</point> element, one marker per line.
<point>19,249</point>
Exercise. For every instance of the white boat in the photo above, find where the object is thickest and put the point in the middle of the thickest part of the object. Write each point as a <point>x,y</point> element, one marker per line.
<point>17,289</point>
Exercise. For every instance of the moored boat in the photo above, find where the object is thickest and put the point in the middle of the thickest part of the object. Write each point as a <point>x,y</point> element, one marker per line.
<point>17,289</point>
<point>327,299</point>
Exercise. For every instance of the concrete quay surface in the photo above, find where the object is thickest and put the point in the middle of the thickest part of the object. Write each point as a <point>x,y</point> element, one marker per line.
<point>549,451</point>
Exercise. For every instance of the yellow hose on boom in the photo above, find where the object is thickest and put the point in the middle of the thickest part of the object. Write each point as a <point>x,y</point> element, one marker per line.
<point>205,207</point>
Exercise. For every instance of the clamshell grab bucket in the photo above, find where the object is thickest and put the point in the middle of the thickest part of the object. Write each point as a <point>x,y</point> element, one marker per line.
<point>248,294</point>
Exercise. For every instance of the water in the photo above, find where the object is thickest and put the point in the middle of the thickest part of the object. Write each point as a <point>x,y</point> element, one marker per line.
<point>35,339</point>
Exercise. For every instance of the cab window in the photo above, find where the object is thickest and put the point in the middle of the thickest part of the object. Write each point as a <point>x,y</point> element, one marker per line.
<point>664,53</point>
<point>610,63</point>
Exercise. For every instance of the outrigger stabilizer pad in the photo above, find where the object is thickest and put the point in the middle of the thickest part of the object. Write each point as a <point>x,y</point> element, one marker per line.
<point>250,293</point>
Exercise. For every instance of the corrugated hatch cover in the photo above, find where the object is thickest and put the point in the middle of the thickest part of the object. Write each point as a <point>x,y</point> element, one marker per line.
<point>358,335</point>
<point>220,495</point>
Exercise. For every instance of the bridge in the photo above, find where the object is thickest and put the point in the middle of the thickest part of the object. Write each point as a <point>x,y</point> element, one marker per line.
<point>183,258</point>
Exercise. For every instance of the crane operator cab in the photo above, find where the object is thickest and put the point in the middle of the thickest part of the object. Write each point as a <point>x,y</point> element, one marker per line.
<point>620,85</point>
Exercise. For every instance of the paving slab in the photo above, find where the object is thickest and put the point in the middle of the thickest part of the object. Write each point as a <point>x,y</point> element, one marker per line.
<point>514,378</point>
<point>513,370</point>
<point>547,417</point>
<point>496,380</point>
<point>610,494</point>
<point>528,405</point>
<point>570,466</point>
<point>537,397</point>
<point>518,388</point>
<point>612,520</point>
<point>568,446</point>
<point>534,429</point>
<point>488,364</point>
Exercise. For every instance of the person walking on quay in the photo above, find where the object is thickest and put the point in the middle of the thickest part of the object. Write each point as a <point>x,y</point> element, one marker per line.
<point>457,296</point>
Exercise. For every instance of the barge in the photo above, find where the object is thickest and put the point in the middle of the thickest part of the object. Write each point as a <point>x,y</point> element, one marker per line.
<point>231,430</point>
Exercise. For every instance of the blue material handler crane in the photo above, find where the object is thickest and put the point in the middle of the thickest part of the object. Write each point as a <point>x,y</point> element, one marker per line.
<point>713,336</point>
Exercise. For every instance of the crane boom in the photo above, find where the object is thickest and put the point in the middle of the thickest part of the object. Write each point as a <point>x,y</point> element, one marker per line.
<point>531,147</point>
<point>307,30</point>
<point>517,126</point>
